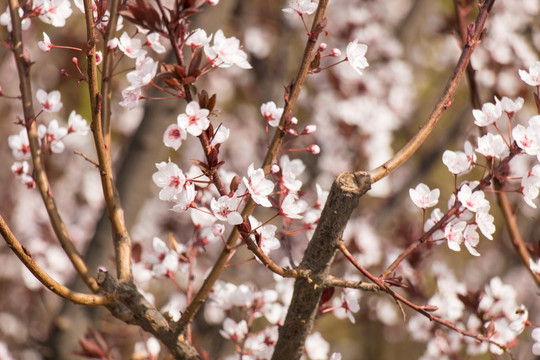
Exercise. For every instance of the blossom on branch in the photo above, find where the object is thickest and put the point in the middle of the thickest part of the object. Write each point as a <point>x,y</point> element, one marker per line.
<point>52,135</point>
<point>532,77</point>
<point>459,162</point>
<point>46,44</point>
<point>356,56</point>
<point>195,119</point>
<point>174,135</point>
<point>300,7</point>
<point>258,187</point>
<point>489,114</point>
<point>170,179</point>
<point>423,197</point>
<point>49,101</point>
<point>226,52</point>
<point>271,113</point>
<point>130,47</point>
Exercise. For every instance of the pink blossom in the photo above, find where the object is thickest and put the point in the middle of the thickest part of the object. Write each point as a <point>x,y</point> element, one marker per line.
<point>184,199</point>
<point>19,144</point>
<point>213,2</point>
<point>291,207</point>
<point>221,134</point>
<point>234,331</point>
<point>356,56</point>
<point>173,136</point>
<point>259,187</point>
<point>485,222</point>
<point>535,334</point>
<point>77,125</point>
<point>55,12</point>
<point>471,239</point>
<point>131,97</point>
<point>316,347</point>
<point>195,119</point>
<point>300,7</point>
<point>453,232</point>
<point>532,77</point>
<point>226,209</point>
<point>145,71</point>
<point>492,146</point>
<point>130,47</point>
<point>472,200</point>
<point>347,305</point>
<point>226,52</point>
<point>46,44</point>
<point>163,260</point>
<point>510,106</point>
<point>290,171</point>
<point>170,179</point>
<point>267,235</point>
<point>423,197</point>
<point>314,149</point>
<point>53,135</point>
<point>153,40</point>
<point>459,162</point>
<point>489,114</point>
<point>198,38</point>
<point>271,113</point>
<point>530,186</point>
<point>49,101</point>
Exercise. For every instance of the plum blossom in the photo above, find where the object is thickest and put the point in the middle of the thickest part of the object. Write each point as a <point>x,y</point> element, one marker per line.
<point>459,162</point>
<point>149,348</point>
<point>5,20</point>
<point>471,239</point>
<point>221,134</point>
<point>77,125</point>
<point>530,186</point>
<point>316,347</point>
<point>259,187</point>
<point>266,235</point>
<point>130,47</point>
<point>436,215</point>
<point>184,199</point>
<point>300,7</point>
<point>46,44</point>
<point>347,305</point>
<point>226,52</point>
<point>19,144</point>
<point>153,40</point>
<point>535,334</point>
<point>271,113</point>
<point>532,77</point>
<point>131,96</point>
<point>49,101</point>
<point>198,38</point>
<point>170,179</point>
<point>489,114</point>
<point>492,146</point>
<point>356,56</point>
<point>194,120</point>
<point>55,12</point>
<point>173,136</point>
<point>163,260</point>
<point>234,331</point>
<point>510,106</point>
<point>291,207</point>
<point>473,201</point>
<point>53,135</point>
<point>226,209</point>
<point>423,197</point>
<point>484,220</point>
<point>290,170</point>
<point>528,138</point>
<point>453,232</point>
<point>145,71</point>
<point>20,170</point>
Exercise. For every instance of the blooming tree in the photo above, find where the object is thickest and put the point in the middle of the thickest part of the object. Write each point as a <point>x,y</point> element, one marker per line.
<point>264,211</point>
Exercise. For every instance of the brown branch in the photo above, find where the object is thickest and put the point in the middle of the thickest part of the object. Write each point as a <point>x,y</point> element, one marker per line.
<point>513,231</point>
<point>43,277</point>
<point>318,257</point>
<point>421,309</point>
<point>147,316</point>
<point>23,68</point>
<point>444,102</point>
<point>273,150</point>
<point>332,281</point>
<point>121,238</point>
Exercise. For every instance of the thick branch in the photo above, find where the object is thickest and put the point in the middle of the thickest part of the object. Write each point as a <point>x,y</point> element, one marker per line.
<point>122,240</point>
<point>43,277</point>
<point>342,200</point>
<point>23,68</point>
<point>445,101</point>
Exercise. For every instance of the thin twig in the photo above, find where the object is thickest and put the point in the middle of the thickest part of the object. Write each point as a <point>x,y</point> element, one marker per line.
<point>121,238</point>
<point>444,102</point>
<point>23,68</point>
<point>40,274</point>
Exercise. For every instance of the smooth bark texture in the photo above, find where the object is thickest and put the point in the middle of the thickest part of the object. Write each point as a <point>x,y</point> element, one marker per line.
<point>342,200</point>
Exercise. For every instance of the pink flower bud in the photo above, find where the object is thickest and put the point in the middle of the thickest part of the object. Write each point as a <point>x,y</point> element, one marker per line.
<point>293,121</point>
<point>322,47</point>
<point>274,169</point>
<point>213,2</point>
<point>218,229</point>
<point>292,132</point>
<point>314,149</point>
<point>335,52</point>
<point>99,57</point>
<point>310,129</point>
<point>75,60</point>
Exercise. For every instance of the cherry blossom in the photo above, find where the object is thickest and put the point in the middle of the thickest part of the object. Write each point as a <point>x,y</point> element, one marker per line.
<point>530,186</point>
<point>55,12</point>
<point>170,179</point>
<point>492,146</point>
<point>198,38</point>
<point>184,199</point>
<point>316,347</point>
<point>301,7</point>
<point>195,119</point>
<point>489,114</point>
<point>259,187</point>
<point>130,47</point>
<point>226,209</point>
<point>473,201</point>
<point>291,207</point>
<point>153,40</point>
<point>471,239</point>
<point>510,106</point>
<point>459,162</point>
<point>52,135</point>
<point>453,232</point>
<point>532,77</point>
<point>423,197</point>
<point>267,240</point>
<point>226,52</point>
<point>314,149</point>
<point>173,136</point>
<point>77,125</point>
<point>535,334</point>
<point>20,146</point>
<point>271,113</point>
<point>436,215</point>
<point>347,305</point>
<point>164,261</point>
<point>290,170</point>
<point>528,138</point>
<point>220,135</point>
<point>49,101</point>
<point>485,222</point>
<point>5,20</point>
<point>131,97</point>
<point>145,71</point>
<point>46,44</point>
<point>234,331</point>
<point>356,56</point>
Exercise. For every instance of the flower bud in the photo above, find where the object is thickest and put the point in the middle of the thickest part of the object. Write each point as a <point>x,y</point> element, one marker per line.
<point>314,149</point>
